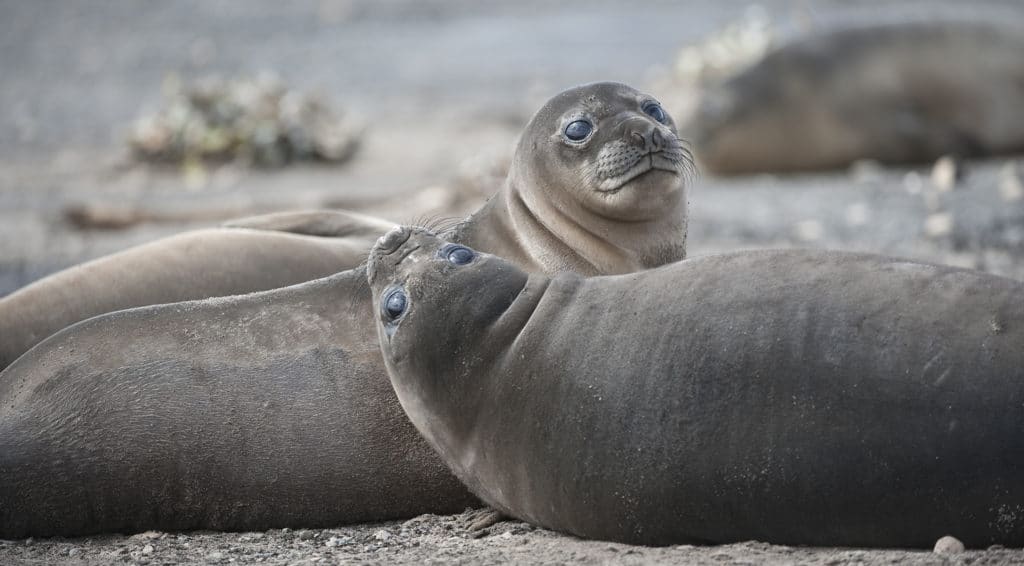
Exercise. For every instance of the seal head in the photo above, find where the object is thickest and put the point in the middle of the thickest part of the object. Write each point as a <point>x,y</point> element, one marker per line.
<point>613,147</point>
<point>597,185</point>
<point>407,266</point>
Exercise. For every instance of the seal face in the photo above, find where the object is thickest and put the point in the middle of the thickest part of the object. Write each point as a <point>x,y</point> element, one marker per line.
<point>429,261</point>
<point>620,142</point>
<point>799,404</point>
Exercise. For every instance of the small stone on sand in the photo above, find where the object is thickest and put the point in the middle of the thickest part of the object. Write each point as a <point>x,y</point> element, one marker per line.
<point>948,545</point>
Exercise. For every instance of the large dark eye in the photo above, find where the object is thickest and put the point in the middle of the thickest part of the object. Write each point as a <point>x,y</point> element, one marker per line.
<point>654,110</point>
<point>394,304</point>
<point>578,130</point>
<point>456,254</point>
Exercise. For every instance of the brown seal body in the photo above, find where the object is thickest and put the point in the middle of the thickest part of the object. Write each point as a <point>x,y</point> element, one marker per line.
<point>250,254</point>
<point>274,409</point>
<point>793,397</point>
<point>895,93</point>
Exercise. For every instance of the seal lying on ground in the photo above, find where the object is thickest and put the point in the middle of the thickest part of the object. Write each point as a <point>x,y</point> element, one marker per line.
<point>896,93</point>
<point>274,409</point>
<point>250,254</point>
<point>794,397</point>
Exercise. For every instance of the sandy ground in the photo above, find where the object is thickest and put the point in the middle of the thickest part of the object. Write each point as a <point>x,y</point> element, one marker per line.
<point>75,77</point>
<point>432,539</point>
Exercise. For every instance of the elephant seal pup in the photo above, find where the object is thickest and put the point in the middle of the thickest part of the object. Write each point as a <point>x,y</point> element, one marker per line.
<point>896,93</point>
<point>274,409</point>
<point>255,254</point>
<point>794,397</point>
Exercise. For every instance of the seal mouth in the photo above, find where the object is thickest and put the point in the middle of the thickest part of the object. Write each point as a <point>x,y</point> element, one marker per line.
<point>661,160</point>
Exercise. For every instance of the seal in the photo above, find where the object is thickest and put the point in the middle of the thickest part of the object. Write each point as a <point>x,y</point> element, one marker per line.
<point>249,254</point>
<point>274,409</point>
<point>794,397</point>
<point>900,92</point>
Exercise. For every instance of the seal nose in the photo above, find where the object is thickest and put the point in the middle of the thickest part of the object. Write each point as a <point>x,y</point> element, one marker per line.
<point>394,239</point>
<point>646,136</point>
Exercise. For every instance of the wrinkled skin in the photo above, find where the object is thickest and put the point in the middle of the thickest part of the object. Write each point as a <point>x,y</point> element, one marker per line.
<point>274,409</point>
<point>793,397</point>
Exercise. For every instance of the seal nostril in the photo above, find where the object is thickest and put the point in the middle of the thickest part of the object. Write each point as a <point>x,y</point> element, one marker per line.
<point>638,139</point>
<point>391,241</point>
<point>657,140</point>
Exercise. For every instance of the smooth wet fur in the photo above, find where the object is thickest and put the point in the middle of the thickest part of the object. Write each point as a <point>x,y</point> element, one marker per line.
<point>274,409</point>
<point>793,397</point>
<point>247,255</point>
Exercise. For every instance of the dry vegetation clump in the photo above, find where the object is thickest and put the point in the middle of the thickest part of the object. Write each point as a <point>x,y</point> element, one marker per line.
<point>255,120</point>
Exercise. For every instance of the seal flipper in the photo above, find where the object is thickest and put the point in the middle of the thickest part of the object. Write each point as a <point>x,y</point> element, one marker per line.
<point>324,223</point>
<point>480,519</point>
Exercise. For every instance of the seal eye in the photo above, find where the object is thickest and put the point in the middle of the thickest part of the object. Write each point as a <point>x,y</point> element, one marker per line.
<point>578,130</point>
<point>457,255</point>
<point>654,110</point>
<point>395,303</point>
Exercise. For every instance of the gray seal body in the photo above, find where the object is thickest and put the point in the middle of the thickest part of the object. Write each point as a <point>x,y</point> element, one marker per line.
<point>274,409</point>
<point>895,93</point>
<point>250,254</point>
<point>793,397</point>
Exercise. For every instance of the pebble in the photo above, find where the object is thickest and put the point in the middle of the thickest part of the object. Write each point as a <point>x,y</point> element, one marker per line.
<point>305,535</point>
<point>912,182</point>
<point>148,535</point>
<point>338,541</point>
<point>215,556</point>
<point>1011,188</point>
<point>148,549</point>
<point>866,171</point>
<point>382,535</point>
<point>857,214</point>
<point>948,545</point>
<point>937,225</point>
<point>945,173</point>
<point>809,230</point>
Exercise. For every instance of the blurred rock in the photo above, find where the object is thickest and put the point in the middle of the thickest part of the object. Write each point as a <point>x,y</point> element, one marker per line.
<point>1010,186</point>
<point>904,92</point>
